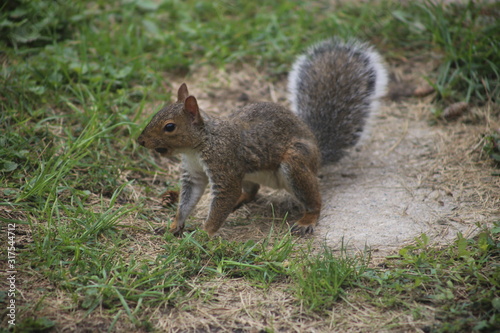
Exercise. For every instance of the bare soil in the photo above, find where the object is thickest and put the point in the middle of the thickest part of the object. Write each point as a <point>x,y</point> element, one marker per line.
<point>410,178</point>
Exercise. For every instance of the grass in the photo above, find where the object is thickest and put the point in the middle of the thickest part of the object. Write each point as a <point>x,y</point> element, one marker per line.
<point>321,279</point>
<point>465,37</point>
<point>461,281</point>
<point>77,78</point>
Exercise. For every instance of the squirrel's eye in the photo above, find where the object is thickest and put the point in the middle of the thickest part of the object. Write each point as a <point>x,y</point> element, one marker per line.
<point>170,127</point>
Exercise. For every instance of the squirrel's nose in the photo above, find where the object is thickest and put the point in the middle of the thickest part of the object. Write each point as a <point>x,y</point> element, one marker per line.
<point>141,141</point>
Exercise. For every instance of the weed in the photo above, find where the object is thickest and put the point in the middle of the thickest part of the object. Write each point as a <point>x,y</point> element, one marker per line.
<point>461,280</point>
<point>321,279</point>
<point>35,23</point>
<point>40,324</point>
<point>465,35</point>
<point>492,147</point>
<point>261,262</point>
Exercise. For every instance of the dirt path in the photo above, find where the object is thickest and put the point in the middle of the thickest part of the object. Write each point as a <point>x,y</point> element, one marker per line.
<point>409,178</point>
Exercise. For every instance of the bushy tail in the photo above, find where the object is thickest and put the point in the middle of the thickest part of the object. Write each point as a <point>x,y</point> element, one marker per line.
<point>335,87</point>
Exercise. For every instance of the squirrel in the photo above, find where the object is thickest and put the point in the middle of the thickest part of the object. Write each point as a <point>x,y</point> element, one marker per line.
<point>334,89</point>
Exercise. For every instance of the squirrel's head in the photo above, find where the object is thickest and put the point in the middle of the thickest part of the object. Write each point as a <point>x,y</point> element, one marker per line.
<point>175,127</point>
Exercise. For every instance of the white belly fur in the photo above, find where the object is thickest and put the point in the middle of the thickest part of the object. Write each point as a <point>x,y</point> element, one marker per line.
<point>273,179</point>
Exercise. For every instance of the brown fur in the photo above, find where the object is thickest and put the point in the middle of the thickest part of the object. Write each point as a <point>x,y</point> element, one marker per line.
<point>334,89</point>
<point>262,140</point>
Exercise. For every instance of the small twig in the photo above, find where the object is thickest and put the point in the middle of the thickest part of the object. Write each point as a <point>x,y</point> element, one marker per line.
<point>405,132</point>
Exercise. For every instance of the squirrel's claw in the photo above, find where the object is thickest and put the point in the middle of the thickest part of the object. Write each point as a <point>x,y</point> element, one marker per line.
<point>175,231</point>
<point>302,230</point>
<point>159,230</point>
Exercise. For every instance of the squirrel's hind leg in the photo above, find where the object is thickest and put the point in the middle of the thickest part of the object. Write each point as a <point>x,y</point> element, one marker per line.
<point>310,197</point>
<point>302,181</point>
<point>248,194</point>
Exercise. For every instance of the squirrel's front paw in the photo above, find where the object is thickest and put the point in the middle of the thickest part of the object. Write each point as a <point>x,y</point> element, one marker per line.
<point>176,230</point>
<point>302,230</point>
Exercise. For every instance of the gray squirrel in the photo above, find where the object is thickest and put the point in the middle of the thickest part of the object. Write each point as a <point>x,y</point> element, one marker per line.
<point>334,90</point>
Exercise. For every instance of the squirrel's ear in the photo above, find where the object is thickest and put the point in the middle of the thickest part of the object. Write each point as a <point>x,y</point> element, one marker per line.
<point>191,106</point>
<point>183,93</point>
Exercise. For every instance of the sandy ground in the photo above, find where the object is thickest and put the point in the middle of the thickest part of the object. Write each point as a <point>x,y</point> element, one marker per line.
<point>398,186</point>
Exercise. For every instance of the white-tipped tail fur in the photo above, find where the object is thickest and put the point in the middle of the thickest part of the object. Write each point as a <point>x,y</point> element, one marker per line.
<point>335,87</point>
